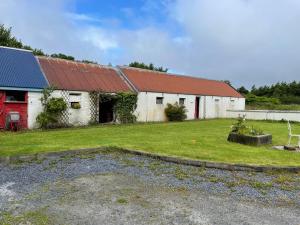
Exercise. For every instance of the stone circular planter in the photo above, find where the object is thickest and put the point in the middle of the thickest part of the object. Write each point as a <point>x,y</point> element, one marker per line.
<point>250,140</point>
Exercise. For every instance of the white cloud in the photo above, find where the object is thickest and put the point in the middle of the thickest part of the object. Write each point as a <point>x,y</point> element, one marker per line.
<point>82,17</point>
<point>99,38</point>
<point>49,25</point>
<point>245,41</point>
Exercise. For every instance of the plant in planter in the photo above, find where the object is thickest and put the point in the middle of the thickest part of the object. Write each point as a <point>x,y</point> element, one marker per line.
<point>248,135</point>
<point>75,105</point>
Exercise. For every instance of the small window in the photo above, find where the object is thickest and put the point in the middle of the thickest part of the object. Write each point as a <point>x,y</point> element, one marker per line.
<point>217,100</point>
<point>232,100</point>
<point>75,94</point>
<point>181,101</point>
<point>75,97</point>
<point>15,96</point>
<point>159,100</point>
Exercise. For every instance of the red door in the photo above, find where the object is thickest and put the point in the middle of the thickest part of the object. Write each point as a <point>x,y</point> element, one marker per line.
<point>2,116</point>
<point>197,102</point>
<point>13,104</point>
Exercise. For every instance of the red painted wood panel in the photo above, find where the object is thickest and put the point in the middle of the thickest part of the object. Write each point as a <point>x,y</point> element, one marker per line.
<point>2,97</point>
<point>197,101</point>
<point>6,107</point>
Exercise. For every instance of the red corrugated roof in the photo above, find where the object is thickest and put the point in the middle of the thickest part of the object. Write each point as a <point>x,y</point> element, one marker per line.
<point>68,75</point>
<point>151,81</point>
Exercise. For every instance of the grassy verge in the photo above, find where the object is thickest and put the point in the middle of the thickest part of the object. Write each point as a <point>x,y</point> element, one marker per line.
<point>203,140</point>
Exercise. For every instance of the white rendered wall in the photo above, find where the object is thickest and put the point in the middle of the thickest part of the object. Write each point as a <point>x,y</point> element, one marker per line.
<point>82,116</point>
<point>265,114</point>
<point>216,107</point>
<point>34,108</point>
<point>77,117</point>
<point>147,109</point>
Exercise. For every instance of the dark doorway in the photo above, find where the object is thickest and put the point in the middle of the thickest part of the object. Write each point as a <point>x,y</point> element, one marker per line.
<point>106,111</point>
<point>197,102</point>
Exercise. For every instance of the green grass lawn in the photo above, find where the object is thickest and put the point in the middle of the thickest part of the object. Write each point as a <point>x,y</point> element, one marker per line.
<point>203,140</point>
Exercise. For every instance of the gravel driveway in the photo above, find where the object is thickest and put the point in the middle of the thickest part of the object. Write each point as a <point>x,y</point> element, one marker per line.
<point>115,188</point>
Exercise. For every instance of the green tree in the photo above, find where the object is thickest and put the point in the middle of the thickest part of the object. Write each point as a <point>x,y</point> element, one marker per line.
<point>89,61</point>
<point>287,93</point>
<point>227,82</point>
<point>243,90</point>
<point>148,67</point>
<point>63,56</point>
<point>6,38</point>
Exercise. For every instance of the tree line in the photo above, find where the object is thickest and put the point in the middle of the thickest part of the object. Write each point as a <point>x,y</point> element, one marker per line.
<point>286,93</point>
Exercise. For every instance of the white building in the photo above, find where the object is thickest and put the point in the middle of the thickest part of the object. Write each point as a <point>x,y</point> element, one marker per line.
<point>80,84</point>
<point>202,98</point>
<point>76,82</point>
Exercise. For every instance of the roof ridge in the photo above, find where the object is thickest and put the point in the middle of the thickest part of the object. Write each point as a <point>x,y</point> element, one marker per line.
<point>18,49</point>
<point>76,62</point>
<point>171,74</point>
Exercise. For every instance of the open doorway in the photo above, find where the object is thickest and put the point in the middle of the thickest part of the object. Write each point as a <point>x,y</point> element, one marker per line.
<point>197,103</point>
<point>106,111</point>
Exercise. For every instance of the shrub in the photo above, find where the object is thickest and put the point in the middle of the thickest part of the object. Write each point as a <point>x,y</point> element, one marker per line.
<point>253,99</point>
<point>290,99</point>
<point>45,120</point>
<point>175,112</point>
<point>56,105</point>
<point>241,127</point>
<point>52,110</point>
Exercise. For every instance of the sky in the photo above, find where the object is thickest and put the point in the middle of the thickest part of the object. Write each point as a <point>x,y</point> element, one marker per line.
<point>245,41</point>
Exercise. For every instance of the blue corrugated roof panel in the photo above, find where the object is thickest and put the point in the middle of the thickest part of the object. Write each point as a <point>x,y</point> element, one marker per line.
<point>20,69</point>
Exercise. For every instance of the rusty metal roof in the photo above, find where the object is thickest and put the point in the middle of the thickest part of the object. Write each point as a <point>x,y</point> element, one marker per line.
<point>152,81</point>
<point>76,76</point>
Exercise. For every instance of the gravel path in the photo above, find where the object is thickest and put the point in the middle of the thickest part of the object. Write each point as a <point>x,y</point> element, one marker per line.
<point>115,188</point>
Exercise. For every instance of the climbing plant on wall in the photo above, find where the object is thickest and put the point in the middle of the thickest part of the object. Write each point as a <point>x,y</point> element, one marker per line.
<point>52,109</point>
<point>125,106</point>
<point>124,103</point>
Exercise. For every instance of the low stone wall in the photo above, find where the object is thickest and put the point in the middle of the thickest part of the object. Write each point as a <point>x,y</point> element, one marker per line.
<point>276,115</point>
<point>189,162</point>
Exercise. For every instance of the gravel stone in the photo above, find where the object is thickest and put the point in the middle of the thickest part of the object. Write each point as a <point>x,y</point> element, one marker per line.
<point>116,188</point>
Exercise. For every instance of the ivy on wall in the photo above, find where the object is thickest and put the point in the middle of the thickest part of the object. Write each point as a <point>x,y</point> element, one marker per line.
<point>52,110</point>
<point>125,107</point>
<point>124,103</point>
